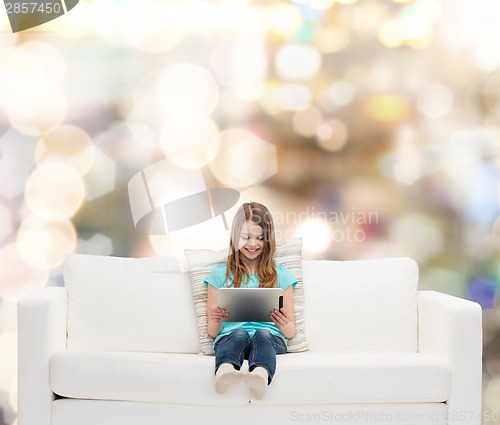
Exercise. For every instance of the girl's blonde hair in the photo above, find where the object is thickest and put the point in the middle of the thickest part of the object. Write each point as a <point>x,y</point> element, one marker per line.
<point>266,268</point>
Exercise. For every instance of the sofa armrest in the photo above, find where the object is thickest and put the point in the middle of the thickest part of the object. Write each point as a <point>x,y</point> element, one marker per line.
<point>41,318</point>
<point>451,327</point>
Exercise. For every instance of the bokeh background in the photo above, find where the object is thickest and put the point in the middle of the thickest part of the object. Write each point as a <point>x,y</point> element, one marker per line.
<point>371,128</point>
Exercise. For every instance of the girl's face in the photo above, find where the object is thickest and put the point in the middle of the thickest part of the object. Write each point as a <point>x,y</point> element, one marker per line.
<point>251,241</point>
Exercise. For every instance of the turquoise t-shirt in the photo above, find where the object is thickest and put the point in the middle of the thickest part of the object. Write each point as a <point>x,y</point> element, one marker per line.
<point>217,280</point>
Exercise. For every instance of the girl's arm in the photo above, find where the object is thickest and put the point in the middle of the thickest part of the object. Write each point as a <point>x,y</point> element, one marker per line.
<point>285,319</point>
<point>215,314</point>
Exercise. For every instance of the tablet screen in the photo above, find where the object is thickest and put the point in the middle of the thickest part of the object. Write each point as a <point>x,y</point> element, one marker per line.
<point>249,304</point>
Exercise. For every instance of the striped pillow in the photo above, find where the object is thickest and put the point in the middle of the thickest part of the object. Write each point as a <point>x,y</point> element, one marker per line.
<point>203,261</point>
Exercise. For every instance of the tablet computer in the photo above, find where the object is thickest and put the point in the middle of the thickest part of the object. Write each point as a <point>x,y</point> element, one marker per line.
<point>249,304</point>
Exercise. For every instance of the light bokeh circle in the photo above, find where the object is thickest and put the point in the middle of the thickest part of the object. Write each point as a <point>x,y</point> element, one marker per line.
<point>144,28</point>
<point>52,60</point>
<point>298,62</point>
<point>18,277</point>
<point>316,234</point>
<point>20,67</point>
<point>68,144</point>
<point>332,135</point>
<point>195,133</point>
<point>45,244</point>
<point>54,191</point>
<point>189,88</point>
<point>242,158</point>
<point>36,111</point>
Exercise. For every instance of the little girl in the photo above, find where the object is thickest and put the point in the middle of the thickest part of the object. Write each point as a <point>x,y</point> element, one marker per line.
<point>250,264</point>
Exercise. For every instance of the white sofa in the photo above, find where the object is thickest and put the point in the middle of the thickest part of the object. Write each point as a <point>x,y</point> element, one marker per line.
<point>118,345</point>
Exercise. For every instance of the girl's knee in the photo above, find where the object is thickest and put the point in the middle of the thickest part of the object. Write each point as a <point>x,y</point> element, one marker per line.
<point>263,333</point>
<point>241,333</point>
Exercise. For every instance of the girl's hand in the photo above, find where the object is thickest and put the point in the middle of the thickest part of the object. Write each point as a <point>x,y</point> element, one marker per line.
<point>284,321</point>
<point>216,314</point>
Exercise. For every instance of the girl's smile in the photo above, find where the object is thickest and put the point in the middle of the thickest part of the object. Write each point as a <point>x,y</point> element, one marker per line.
<point>251,253</point>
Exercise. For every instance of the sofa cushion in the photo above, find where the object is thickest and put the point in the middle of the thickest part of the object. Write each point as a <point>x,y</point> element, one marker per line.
<point>358,377</point>
<point>361,305</point>
<point>300,379</point>
<point>147,377</point>
<point>202,262</point>
<point>129,304</point>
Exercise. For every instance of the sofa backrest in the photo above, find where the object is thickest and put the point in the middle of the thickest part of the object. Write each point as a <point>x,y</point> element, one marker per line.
<point>361,305</point>
<point>145,304</point>
<point>129,304</point>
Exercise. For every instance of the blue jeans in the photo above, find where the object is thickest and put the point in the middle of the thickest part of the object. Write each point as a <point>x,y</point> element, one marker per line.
<point>260,350</point>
